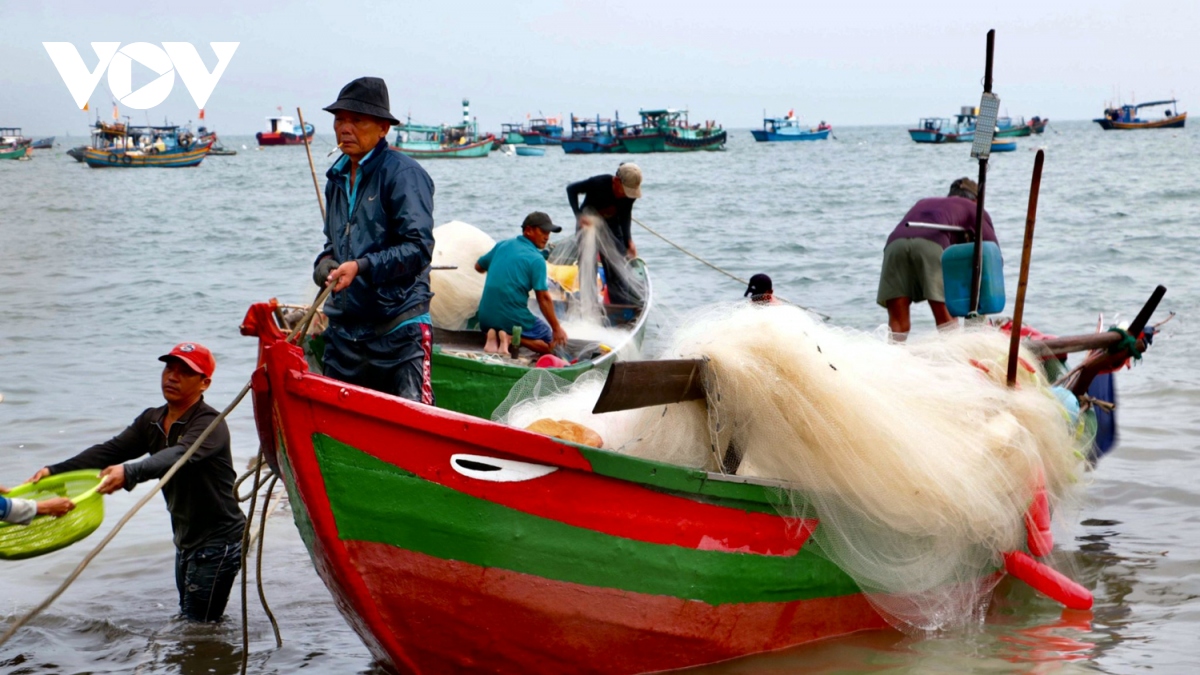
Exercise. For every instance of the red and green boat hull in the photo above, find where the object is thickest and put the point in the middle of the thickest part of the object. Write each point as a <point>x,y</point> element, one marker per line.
<point>452,543</point>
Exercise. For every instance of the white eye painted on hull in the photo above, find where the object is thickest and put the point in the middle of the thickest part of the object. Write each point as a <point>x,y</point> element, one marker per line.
<point>496,470</point>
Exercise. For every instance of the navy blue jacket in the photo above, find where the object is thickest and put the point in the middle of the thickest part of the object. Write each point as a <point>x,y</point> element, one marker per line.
<point>389,233</point>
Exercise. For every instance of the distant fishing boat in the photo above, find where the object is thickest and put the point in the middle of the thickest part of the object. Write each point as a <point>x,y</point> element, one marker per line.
<point>284,131</point>
<point>592,136</point>
<point>206,136</point>
<point>543,131</point>
<point>1126,117</point>
<point>1003,145</point>
<point>668,130</point>
<point>11,136</point>
<point>156,146</point>
<point>528,151</point>
<point>14,152</point>
<point>961,129</point>
<point>43,143</point>
<point>789,129</point>
<point>460,141</point>
<point>1037,124</point>
<point>511,134</point>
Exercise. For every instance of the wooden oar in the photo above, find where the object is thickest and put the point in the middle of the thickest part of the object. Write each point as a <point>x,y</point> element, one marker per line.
<point>1026,252</point>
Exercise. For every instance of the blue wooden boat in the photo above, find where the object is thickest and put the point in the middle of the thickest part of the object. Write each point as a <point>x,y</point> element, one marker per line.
<point>43,143</point>
<point>547,131</point>
<point>528,151</point>
<point>931,130</point>
<point>150,146</point>
<point>1126,117</point>
<point>1003,145</point>
<point>592,136</point>
<point>789,129</point>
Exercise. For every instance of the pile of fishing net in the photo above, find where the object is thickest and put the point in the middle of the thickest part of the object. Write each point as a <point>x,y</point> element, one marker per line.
<point>456,292</point>
<point>918,461</point>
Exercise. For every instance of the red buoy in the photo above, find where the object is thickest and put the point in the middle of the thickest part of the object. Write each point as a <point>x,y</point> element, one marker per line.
<point>1038,536</point>
<point>1047,581</point>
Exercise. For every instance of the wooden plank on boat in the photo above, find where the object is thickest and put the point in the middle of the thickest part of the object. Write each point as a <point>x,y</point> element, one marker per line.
<point>642,384</point>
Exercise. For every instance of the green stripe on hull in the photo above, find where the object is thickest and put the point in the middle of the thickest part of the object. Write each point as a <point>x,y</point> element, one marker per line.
<point>377,502</point>
<point>477,387</point>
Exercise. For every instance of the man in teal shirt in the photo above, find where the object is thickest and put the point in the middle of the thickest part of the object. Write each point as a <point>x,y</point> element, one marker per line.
<point>515,267</point>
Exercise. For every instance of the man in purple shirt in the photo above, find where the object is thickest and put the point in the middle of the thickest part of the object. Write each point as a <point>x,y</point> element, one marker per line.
<point>912,258</point>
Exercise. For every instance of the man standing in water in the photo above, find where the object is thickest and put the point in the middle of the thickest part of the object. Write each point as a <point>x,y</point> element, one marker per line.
<point>611,197</point>
<point>378,245</point>
<point>912,258</point>
<point>205,517</point>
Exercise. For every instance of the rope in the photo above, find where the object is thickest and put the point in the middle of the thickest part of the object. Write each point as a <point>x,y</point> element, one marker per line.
<point>246,545</point>
<point>1127,343</point>
<point>157,488</point>
<point>262,531</point>
<point>728,274</point>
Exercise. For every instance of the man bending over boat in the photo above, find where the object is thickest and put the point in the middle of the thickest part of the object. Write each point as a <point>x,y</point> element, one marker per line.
<point>514,267</point>
<point>611,197</point>
<point>912,258</point>
<point>205,517</point>
<point>378,244</point>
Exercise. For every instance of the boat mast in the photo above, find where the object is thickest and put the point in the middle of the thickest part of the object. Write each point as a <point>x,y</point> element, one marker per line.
<point>977,266</point>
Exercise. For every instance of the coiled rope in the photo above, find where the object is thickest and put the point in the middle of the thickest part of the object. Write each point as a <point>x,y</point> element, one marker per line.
<point>726,273</point>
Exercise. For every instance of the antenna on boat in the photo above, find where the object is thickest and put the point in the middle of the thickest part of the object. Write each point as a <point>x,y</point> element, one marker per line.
<point>985,129</point>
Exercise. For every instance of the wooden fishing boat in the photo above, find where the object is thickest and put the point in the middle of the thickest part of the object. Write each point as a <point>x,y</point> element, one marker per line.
<point>592,136</point>
<point>789,129</point>
<point>511,134</point>
<point>283,130</point>
<point>668,130</point>
<point>156,146</point>
<point>466,381</point>
<point>17,152</point>
<point>527,151</point>
<point>43,143</point>
<point>1003,145</point>
<point>543,131</point>
<point>461,141</point>
<point>451,543</point>
<point>930,130</point>
<point>12,136</point>
<point>1037,124</point>
<point>1126,117</point>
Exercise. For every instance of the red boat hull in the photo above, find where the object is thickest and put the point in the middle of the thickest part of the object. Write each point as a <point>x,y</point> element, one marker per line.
<point>268,138</point>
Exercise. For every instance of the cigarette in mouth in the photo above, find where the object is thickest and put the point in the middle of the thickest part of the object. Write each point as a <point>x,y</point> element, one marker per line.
<point>335,149</point>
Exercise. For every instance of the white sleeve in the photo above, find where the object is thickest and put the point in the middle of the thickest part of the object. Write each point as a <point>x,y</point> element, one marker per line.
<point>20,511</point>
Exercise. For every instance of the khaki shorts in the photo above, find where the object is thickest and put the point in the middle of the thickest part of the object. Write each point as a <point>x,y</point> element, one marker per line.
<point>912,268</point>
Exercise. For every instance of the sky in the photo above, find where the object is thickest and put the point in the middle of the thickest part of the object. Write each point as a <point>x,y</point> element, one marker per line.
<point>849,63</point>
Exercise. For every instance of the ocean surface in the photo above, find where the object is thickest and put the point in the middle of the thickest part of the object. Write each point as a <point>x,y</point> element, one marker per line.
<point>102,270</point>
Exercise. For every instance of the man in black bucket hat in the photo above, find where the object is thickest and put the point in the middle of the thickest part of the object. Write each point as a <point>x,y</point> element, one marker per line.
<point>378,244</point>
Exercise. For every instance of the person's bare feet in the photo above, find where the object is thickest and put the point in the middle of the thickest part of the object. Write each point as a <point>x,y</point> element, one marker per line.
<point>505,344</point>
<point>492,345</point>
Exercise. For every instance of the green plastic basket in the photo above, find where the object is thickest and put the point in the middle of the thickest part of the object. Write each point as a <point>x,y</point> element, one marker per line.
<point>47,533</point>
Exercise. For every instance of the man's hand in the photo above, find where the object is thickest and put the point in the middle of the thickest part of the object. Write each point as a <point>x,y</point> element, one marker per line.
<point>55,506</point>
<point>323,270</point>
<point>112,479</point>
<point>559,337</point>
<point>342,277</point>
<point>41,473</point>
<point>631,251</point>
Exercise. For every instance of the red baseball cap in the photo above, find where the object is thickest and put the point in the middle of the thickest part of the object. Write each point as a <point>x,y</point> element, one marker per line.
<point>194,355</point>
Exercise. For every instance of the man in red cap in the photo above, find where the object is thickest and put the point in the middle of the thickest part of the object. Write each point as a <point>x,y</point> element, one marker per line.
<point>205,517</point>
<point>378,246</point>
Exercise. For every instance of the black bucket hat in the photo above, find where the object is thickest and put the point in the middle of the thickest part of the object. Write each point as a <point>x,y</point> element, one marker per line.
<point>366,95</point>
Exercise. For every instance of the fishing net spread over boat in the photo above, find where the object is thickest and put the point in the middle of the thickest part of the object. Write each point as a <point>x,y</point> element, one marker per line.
<point>918,461</point>
<point>456,292</point>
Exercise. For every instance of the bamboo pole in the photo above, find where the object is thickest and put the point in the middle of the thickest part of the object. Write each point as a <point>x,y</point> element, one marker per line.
<point>1014,344</point>
<point>311,167</point>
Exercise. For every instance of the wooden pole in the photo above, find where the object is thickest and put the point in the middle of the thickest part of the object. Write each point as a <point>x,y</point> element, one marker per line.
<point>311,167</point>
<point>1014,344</point>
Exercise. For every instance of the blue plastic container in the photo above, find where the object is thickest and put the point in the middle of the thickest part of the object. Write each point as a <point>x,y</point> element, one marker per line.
<point>957,262</point>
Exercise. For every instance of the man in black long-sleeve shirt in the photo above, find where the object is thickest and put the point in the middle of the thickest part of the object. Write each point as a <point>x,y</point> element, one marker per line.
<point>611,197</point>
<point>205,517</point>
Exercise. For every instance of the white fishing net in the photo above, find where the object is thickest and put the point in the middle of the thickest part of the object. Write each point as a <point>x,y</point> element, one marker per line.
<point>918,461</point>
<point>456,292</point>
